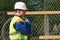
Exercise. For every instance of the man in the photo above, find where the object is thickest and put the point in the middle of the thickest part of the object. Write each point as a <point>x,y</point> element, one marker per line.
<point>19,26</point>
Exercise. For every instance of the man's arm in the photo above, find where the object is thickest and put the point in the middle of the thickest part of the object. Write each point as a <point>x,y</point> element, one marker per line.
<point>20,25</point>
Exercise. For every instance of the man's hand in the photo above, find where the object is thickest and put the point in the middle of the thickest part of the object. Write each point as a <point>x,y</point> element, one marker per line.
<point>26,20</point>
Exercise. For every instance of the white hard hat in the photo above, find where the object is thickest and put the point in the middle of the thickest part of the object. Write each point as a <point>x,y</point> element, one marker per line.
<point>20,5</point>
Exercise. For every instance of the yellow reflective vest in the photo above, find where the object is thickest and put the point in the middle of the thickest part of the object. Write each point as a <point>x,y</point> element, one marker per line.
<point>14,35</point>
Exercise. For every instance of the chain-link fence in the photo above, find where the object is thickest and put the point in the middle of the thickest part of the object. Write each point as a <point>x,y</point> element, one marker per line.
<point>3,18</point>
<point>41,25</point>
<point>32,5</point>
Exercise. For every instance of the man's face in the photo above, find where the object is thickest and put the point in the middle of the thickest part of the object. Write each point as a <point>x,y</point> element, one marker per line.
<point>22,12</point>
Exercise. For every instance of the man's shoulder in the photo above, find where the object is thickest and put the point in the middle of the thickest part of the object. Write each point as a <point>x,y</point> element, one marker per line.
<point>18,19</point>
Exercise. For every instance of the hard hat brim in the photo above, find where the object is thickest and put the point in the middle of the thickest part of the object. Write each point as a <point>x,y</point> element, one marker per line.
<point>21,8</point>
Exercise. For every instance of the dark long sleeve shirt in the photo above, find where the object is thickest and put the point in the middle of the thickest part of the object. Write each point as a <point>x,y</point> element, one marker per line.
<point>20,26</point>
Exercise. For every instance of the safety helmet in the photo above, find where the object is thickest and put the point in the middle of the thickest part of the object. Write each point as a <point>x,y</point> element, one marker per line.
<point>20,5</point>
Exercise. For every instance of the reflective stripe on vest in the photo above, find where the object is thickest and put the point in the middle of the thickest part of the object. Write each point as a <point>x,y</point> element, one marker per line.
<point>19,39</point>
<point>13,33</point>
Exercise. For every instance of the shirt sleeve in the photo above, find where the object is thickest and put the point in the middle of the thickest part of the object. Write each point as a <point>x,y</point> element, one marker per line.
<point>18,25</point>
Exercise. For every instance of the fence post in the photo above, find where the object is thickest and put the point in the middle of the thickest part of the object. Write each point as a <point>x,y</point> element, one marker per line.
<point>46,25</point>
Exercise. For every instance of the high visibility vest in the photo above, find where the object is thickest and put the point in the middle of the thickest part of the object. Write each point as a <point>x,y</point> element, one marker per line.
<point>13,33</point>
